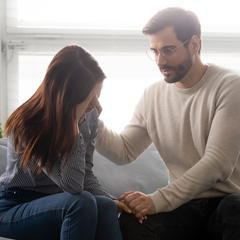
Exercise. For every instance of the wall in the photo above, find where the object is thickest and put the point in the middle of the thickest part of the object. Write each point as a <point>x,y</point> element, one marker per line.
<point>3,74</point>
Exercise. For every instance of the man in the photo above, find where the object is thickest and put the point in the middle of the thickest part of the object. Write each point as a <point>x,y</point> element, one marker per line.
<point>193,119</point>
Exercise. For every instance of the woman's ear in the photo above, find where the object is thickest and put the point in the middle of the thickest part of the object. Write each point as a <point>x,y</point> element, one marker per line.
<point>194,44</point>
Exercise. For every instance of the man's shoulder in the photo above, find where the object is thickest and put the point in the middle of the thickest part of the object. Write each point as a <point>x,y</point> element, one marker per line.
<point>224,72</point>
<point>155,87</point>
<point>223,81</point>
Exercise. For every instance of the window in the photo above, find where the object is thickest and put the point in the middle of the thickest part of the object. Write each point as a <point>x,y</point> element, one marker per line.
<point>115,15</point>
<point>127,76</point>
<point>111,31</point>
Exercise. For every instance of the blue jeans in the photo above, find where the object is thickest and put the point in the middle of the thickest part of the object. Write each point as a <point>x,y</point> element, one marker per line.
<point>208,219</point>
<point>28,215</point>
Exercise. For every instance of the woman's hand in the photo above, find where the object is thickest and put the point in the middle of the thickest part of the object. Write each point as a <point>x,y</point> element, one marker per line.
<point>81,107</point>
<point>140,204</point>
<point>99,108</point>
<point>122,207</point>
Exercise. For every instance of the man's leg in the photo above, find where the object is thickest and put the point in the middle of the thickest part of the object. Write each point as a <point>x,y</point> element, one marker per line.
<point>225,221</point>
<point>183,223</point>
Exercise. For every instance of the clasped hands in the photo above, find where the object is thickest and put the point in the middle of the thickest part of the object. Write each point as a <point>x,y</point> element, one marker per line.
<point>136,203</point>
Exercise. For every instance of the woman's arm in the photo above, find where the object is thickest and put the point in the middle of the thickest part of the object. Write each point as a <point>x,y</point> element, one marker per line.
<point>70,176</point>
<point>91,183</point>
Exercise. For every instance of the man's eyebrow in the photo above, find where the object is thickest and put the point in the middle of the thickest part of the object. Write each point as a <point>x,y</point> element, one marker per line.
<point>168,46</point>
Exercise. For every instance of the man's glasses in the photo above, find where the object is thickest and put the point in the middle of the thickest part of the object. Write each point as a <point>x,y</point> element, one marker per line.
<point>167,52</point>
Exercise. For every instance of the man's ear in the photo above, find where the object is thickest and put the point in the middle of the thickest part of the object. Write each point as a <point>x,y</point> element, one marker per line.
<point>194,44</point>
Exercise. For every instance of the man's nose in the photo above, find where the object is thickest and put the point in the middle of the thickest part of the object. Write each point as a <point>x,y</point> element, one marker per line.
<point>160,60</point>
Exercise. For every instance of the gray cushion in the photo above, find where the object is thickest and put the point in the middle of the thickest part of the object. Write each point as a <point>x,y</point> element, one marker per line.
<point>3,155</point>
<point>146,174</point>
<point>3,142</point>
<point>3,162</point>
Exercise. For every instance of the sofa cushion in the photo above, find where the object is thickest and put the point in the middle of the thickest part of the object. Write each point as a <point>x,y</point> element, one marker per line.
<point>3,155</point>
<point>3,142</point>
<point>146,174</point>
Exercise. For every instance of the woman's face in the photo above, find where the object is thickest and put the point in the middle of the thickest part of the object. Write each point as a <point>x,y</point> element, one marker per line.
<point>94,102</point>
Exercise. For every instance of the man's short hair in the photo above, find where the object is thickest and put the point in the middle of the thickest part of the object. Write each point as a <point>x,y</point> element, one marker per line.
<point>185,23</point>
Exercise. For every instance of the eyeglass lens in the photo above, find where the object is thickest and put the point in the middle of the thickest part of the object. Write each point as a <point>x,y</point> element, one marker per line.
<point>166,53</point>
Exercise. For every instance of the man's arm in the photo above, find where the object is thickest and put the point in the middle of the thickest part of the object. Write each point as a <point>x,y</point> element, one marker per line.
<point>125,147</point>
<point>214,171</point>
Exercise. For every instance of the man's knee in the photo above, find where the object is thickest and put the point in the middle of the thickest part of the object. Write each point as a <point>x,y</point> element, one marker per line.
<point>230,206</point>
<point>127,220</point>
<point>129,226</point>
<point>228,217</point>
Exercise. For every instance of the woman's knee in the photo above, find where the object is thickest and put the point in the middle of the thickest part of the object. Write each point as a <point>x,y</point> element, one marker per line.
<point>105,204</point>
<point>107,208</point>
<point>83,202</point>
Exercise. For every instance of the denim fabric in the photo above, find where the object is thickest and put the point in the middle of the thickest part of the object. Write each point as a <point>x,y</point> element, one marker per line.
<point>208,219</point>
<point>27,215</point>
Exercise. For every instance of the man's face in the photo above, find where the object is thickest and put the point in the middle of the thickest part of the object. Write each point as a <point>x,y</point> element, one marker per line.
<point>173,70</point>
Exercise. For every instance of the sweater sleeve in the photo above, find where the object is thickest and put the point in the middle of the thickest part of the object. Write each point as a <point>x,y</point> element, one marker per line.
<point>214,169</point>
<point>125,147</point>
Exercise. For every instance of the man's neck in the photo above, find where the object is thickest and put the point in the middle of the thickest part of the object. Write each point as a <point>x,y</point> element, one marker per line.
<point>193,76</point>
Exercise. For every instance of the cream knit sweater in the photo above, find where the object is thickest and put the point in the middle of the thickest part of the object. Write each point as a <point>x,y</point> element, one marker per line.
<point>196,132</point>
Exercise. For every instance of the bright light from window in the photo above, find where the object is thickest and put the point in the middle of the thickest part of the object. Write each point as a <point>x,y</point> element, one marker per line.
<point>127,77</point>
<point>215,15</point>
<point>127,73</point>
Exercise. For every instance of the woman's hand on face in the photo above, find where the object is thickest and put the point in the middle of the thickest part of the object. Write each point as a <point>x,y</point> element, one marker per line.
<point>81,107</point>
<point>99,108</point>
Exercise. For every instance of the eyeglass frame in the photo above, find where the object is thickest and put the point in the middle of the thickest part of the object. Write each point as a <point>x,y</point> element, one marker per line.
<point>172,50</point>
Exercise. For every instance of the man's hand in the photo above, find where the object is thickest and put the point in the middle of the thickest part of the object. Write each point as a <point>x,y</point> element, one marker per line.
<point>139,203</point>
<point>122,207</point>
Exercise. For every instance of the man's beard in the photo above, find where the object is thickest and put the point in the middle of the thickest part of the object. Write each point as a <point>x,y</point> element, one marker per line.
<point>181,70</point>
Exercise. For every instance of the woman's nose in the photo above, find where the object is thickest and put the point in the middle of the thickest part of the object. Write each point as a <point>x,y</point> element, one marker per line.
<point>95,101</point>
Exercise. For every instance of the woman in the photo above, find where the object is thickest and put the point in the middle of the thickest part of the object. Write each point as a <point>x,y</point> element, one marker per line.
<point>48,190</point>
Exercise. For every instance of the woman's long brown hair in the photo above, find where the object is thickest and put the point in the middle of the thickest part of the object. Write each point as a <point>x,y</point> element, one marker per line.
<point>46,124</point>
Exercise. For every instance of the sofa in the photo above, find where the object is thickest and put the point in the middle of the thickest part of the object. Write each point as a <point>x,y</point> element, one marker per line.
<point>146,174</point>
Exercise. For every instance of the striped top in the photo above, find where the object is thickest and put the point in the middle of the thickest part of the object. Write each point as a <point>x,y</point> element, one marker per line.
<point>73,177</point>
